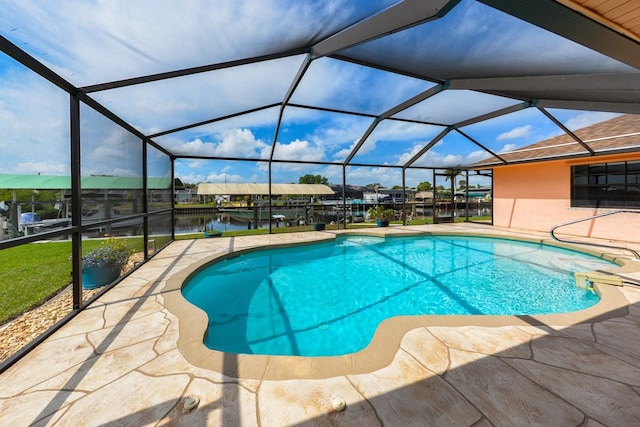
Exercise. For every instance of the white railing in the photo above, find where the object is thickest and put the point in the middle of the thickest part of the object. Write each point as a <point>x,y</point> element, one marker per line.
<point>555,227</point>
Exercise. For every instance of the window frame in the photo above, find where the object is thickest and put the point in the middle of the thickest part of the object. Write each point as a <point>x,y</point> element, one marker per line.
<point>606,185</point>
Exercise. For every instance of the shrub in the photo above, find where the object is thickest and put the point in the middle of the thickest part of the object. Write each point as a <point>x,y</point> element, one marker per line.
<point>379,212</point>
<point>112,251</point>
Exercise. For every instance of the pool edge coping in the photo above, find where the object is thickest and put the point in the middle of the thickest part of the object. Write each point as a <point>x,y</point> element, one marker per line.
<point>386,341</point>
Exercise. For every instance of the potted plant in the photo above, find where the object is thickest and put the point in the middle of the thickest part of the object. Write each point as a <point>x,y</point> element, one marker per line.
<point>104,264</point>
<point>381,215</point>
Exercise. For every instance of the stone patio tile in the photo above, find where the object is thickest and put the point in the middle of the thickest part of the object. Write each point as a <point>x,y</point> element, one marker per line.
<point>51,420</point>
<point>134,400</point>
<point>49,359</point>
<point>582,332</point>
<point>509,341</point>
<point>129,333</point>
<point>483,423</point>
<point>580,357</point>
<point>152,272</point>
<point>125,290</point>
<point>505,396</point>
<point>173,362</point>
<point>309,402</point>
<point>130,309</point>
<point>88,320</point>
<point>26,409</point>
<point>634,314</point>
<point>406,394</point>
<point>426,349</point>
<point>102,369</point>
<point>608,333</point>
<point>540,331</point>
<point>592,423</point>
<point>168,340</point>
<point>606,401</point>
<point>632,293</point>
<point>220,405</point>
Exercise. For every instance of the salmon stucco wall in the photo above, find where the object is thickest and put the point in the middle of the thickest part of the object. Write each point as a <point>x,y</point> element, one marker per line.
<point>537,196</point>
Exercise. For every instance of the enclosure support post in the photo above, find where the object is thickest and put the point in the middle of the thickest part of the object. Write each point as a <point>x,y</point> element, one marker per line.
<point>433,199</point>
<point>255,226</point>
<point>404,196</point>
<point>344,197</point>
<point>466,195</point>
<point>76,202</point>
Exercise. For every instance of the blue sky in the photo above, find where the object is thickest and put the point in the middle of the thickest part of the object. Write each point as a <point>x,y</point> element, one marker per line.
<point>34,130</point>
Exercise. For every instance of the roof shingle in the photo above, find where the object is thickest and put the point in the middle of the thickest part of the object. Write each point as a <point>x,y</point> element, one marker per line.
<point>617,134</point>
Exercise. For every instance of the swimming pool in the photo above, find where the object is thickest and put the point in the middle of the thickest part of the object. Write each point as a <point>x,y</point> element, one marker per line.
<point>328,298</point>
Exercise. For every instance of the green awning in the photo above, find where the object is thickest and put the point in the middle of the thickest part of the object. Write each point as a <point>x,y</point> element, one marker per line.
<point>62,182</point>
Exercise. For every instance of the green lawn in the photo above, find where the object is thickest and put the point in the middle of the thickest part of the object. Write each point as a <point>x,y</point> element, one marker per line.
<point>31,274</point>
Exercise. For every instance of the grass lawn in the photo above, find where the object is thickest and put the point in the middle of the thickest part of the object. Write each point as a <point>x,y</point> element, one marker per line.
<point>31,274</point>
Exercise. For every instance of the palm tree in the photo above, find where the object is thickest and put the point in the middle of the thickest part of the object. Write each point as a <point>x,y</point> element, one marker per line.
<point>451,174</point>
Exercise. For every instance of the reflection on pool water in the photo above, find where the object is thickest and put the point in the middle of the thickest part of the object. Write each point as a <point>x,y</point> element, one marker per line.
<point>328,298</point>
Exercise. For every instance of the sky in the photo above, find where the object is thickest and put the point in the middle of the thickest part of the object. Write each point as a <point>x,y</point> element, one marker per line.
<point>100,41</point>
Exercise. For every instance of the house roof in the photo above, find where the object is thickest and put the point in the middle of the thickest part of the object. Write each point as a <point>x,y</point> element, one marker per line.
<point>621,15</point>
<point>617,135</point>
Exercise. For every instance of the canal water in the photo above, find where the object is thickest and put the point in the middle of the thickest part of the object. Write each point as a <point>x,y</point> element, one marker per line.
<point>187,224</point>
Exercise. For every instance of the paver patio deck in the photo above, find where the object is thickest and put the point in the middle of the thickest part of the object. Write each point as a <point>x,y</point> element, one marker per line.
<point>122,361</point>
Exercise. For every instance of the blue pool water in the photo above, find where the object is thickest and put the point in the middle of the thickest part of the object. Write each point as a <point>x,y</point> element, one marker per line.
<point>328,298</point>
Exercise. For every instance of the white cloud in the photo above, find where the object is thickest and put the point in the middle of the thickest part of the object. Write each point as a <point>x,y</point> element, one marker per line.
<point>227,177</point>
<point>218,171</point>
<point>239,143</point>
<point>336,84</point>
<point>387,177</point>
<point>588,118</point>
<point>191,178</point>
<point>299,150</point>
<point>507,148</point>
<point>476,156</point>
<point>456,105</point>
<point>195,163</point>
<point>144,38</point>
<point>391,131</point>
<point>405,157</point>
<point>34,124</point>
<point>233,143</point>
<point>368,146</point>
<point>436,159</point>
<point>42,168</point>
<point>169,104</point>
<point>519,132</point>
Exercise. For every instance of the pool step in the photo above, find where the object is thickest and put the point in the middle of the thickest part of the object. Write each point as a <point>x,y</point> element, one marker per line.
<point>584,279</point>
